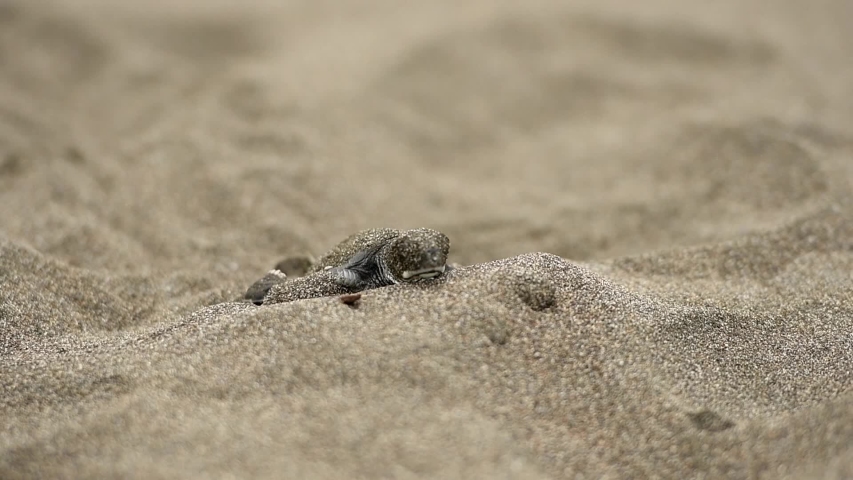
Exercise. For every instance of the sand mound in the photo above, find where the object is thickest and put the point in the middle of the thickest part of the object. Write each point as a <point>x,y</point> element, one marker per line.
<point>685,166</point>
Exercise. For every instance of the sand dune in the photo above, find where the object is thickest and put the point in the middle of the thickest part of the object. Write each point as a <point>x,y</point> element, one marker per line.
<point>651,206</point>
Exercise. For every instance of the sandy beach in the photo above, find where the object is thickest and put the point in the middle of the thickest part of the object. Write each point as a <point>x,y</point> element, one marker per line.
<point>651,207</point>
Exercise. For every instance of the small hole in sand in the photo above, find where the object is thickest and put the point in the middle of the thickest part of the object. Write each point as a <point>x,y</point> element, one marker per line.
<point>710,421</point>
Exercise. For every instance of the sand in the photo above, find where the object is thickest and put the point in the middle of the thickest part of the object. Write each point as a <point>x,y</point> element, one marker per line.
<point>650,203</point>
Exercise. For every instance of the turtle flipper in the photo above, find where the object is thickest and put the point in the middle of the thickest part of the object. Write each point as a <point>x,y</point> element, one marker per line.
<point>258,290</point>
<point>356,272</point>
<point>345,277</point>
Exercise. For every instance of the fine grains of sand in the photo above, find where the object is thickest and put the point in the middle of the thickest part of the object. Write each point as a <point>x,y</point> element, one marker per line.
<point>686,165</point>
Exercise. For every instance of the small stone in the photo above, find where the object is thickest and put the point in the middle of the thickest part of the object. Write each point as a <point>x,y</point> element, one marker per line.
<point>350,299</point>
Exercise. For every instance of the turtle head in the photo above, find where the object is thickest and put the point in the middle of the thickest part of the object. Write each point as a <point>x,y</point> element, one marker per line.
<point>418,254</point>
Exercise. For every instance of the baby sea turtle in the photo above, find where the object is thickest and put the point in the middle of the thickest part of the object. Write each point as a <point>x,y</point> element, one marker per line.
<point>379,257</point>
<point>368,259</point>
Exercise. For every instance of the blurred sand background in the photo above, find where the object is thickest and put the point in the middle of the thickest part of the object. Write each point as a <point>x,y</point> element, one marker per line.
<point>688,165</point>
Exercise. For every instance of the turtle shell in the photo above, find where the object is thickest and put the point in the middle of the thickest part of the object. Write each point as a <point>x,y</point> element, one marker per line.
<point>370,240</point>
